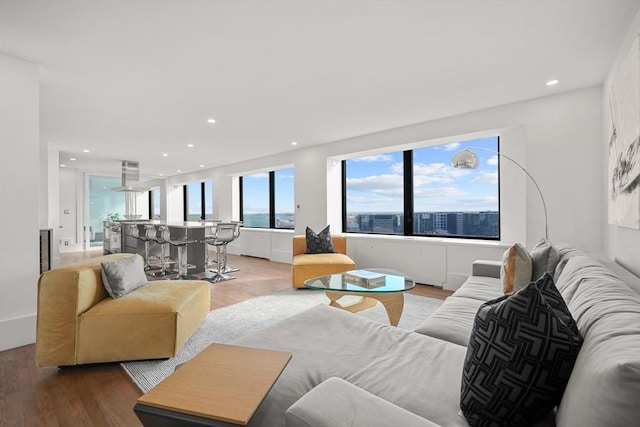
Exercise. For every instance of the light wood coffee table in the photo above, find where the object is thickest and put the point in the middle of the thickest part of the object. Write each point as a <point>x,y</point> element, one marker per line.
<point>221,386</point>
<point>389,291</point>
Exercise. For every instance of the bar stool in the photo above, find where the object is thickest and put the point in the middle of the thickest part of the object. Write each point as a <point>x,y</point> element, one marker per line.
<point>181,244</point>
<point>162,238</point>
<point>224,234</point>
<point>147,236</point>
<point>209,236</point>
<point>236,234</point>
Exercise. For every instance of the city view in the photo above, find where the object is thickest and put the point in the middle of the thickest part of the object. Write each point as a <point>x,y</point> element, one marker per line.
<point>261,220</point>
<point>446,201</point>
<point>468,224</point>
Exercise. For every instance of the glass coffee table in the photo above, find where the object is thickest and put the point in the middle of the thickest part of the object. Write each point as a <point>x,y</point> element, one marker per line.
<point>371,284</point>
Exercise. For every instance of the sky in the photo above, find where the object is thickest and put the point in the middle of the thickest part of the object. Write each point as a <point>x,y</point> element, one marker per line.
<point>255,192</point>
<point>375,183</point>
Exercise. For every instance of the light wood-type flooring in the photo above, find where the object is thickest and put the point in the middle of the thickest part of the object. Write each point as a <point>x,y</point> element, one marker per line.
<point>104,395</point>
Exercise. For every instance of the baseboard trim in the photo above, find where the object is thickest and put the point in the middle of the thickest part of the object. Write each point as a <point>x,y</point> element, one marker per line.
<point>17,332</point>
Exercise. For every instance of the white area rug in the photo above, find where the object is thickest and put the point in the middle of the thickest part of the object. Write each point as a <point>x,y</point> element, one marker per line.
<point>229,323</point>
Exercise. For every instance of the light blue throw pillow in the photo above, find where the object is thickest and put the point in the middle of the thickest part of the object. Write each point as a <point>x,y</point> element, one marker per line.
<point>123,276</point>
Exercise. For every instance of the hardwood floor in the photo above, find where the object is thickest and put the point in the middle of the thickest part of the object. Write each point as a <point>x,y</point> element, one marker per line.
<point>104,395</point>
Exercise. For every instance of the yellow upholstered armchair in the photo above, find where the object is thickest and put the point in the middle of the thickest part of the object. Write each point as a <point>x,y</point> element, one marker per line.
<point>305,266</point>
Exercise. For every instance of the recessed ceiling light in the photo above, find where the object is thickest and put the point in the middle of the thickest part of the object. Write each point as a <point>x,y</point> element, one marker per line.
<point>85,151</point>
<point>211,120</point>
<point>179,170</point>
<point>552,82</point>
<point>201,166</point>
<point>63,166</point>
<point>165,155</point>
<point>294,143</point>
<point>73,159</point>
<point>190,145</point>
<point>161,174</point>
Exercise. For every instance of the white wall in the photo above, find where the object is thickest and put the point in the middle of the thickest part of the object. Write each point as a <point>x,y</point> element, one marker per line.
<point>548,136</point>
<point>622,244</point>
<point>70,210</point>
<point>49,196</point>
<point>19,190</point>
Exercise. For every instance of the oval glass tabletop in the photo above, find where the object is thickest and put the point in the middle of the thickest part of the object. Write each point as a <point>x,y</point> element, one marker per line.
<point>370,280</point>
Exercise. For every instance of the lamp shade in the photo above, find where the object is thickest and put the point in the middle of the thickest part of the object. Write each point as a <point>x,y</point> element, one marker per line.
<point>465,159</point>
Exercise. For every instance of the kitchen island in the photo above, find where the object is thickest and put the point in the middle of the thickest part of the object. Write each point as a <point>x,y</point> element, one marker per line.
<point>192,230</point>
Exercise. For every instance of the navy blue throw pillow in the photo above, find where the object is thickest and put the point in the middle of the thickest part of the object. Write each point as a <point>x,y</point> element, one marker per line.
<point>520,356</point>
<point>320,243</point>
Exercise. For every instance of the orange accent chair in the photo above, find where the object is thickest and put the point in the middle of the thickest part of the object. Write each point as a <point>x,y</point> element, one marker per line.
<point>305,266</point>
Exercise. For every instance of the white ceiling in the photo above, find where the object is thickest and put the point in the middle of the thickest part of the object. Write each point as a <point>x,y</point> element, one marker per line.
<point>135,79</point>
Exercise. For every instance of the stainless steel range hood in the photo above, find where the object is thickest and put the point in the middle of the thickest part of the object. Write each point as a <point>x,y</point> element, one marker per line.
<point>130,178</point>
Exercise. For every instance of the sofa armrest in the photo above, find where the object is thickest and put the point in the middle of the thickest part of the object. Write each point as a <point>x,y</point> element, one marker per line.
<point>486,268</point>
<point>338,403</point>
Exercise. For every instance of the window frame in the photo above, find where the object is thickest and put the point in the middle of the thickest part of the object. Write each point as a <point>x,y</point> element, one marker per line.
<point>185,201</point>
<point>272,201</point>
<point>408,200</point>
<point>152,211</point>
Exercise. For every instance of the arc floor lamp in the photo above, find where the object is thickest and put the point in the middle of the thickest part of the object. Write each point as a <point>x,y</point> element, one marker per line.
<point>467,159</point>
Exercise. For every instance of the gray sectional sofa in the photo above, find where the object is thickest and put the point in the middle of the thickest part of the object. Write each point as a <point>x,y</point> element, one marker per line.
<point>349,371</point>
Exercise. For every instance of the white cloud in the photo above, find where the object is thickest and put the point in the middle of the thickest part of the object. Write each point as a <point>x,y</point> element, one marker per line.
<point>493,160</point>
<point>451,146</point>
<point>437,192</point>
<point>374,158</point>
<point>261,175</point>
<point>436,173</point>
<point>386,184</point>
<point>486,177</point>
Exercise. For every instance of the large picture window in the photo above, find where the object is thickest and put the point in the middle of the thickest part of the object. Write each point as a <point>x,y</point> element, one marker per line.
<point>155,211</point>
<point>375,194</point>
<point>267,199</point>
<point>418,192</point>
<point>198,201</point>
<point>284,199</point>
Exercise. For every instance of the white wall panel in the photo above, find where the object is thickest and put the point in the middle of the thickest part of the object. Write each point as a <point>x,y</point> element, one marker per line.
<point>281,246</point>
<point>19,189</point>
<point>255,243</point>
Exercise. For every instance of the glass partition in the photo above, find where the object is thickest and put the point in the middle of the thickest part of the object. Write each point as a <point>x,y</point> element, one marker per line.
<point>104,203</point>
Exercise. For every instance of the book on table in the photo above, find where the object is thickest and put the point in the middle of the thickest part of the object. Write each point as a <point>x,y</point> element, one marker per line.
<point>365,278</point>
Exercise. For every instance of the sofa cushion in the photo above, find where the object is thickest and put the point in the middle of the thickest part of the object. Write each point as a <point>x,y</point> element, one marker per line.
<point>319,243</point>
<point>338,403</point>
<point>122,276</point>
<point>516,269</point>
<point>520,356</point>
<point>152,322</point>
<point>480,288</point>
<point>416,372</point>
<point>544,258</point>
<point>452,321</point>
<point>604,387</point>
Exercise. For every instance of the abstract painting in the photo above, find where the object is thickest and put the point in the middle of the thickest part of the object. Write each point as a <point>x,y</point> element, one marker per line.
<point>624,141</point>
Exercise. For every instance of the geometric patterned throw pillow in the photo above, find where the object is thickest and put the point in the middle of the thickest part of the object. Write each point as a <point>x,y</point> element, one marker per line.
<point>520,355</point>
<point>320,243</point>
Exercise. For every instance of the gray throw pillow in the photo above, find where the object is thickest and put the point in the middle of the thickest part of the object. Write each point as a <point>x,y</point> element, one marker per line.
<point>123,276</point>
<point>544,258</point>
<point>320,243</point>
